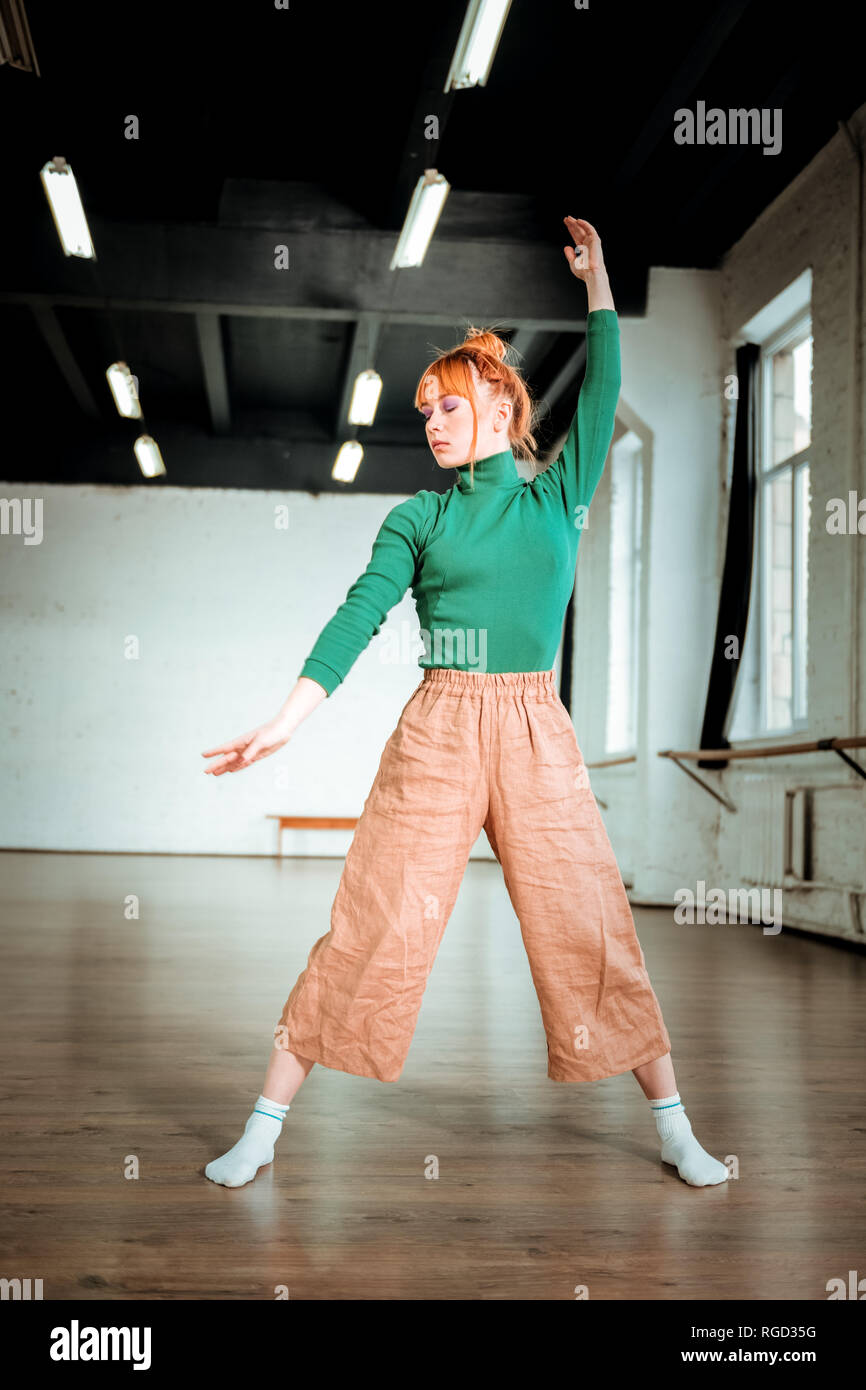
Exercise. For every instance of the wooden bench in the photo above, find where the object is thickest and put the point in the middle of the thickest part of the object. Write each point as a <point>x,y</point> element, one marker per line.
<point>310,823</point>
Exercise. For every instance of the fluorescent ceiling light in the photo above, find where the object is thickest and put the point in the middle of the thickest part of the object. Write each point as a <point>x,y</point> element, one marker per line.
<point>365,397</point>
<point>427,202</point>
<point>124,389</point>
<point>476,48</point>
<point>347,462</point>
<point>61,190</point>
<point>148,455</point>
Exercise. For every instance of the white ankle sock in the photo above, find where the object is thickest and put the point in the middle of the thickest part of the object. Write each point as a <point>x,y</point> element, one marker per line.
<point>254,1148</point>
<point>681,1148</point>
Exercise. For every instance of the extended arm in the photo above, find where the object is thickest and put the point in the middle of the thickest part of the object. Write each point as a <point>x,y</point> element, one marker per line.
<point>341,641</point>
<point>384,582</point>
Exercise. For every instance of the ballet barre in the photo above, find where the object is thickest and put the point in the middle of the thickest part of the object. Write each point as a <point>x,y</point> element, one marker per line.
<point>767,750</point>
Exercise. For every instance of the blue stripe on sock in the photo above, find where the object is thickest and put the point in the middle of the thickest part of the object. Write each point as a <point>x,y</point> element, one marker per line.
<point>270,1116</point>
<point>673,1105</point>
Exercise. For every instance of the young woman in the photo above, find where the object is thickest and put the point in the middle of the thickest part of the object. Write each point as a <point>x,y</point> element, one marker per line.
<point>483,741</point>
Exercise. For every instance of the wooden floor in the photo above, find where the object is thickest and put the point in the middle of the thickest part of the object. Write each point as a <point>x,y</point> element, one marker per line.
<point>148,1038</point>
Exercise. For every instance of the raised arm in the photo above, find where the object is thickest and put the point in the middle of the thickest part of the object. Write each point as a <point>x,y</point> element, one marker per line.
<point>579,466</point>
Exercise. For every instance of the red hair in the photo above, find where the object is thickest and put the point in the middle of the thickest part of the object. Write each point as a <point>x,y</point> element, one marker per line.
<point>485,351</point>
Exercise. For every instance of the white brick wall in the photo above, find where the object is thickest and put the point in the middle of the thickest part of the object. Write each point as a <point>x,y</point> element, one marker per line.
<point>667,831</point>
<point>814,224</point>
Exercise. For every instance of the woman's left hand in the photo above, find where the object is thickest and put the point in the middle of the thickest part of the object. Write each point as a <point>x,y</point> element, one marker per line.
<point>587,259</point>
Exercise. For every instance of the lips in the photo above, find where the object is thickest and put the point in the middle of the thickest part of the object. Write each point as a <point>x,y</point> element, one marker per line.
<point>442,444</point>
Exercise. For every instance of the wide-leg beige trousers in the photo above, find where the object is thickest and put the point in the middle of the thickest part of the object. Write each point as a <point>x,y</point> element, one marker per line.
<point>494,750</point>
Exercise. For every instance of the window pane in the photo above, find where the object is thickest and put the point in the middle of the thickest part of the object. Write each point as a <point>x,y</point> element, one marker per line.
<point>779,597</point>
<point>792,400</point>
<point>802,355</point>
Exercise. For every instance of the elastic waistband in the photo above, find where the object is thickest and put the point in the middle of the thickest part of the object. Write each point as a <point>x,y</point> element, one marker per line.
<point>538,683</point>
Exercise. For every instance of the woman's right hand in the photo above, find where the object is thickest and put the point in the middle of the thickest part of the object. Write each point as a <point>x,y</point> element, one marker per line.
<point>249,748</point>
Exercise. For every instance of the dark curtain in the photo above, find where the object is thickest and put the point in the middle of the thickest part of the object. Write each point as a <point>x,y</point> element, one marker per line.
<point>737,574</point>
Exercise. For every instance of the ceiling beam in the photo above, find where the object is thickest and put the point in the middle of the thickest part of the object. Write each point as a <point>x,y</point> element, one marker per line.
<point>659,124</point>
<point>64,357</point>
<point>431,110</point>
<point>194,458</point>
<point>728,157</point>
<point>334,273</point>
<point>567,376</point>
<point>319,312</point>
<point>210,347</point>
<point>361,354</point>
<point>523,341</point>
<point>562,383</point>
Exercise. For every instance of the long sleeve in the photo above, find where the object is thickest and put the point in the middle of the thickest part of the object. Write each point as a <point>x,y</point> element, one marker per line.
<point>374,593</point>
<point>578,468</point>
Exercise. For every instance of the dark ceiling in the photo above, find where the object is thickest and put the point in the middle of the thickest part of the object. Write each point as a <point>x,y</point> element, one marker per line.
<point>305,126</point>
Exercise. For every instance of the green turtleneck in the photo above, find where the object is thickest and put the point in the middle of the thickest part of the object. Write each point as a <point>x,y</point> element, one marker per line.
<point>491,568</point>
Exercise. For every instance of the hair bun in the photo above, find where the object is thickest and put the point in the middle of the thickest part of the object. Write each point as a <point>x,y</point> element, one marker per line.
<point>488,342</point>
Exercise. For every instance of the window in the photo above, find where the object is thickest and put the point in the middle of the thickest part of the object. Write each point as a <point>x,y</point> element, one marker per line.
<point>783,525</point>
<point>626,517</point>
<point>771,694</point>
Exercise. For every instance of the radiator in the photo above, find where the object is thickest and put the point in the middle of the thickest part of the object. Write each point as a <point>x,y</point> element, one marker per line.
<point>764,839</point>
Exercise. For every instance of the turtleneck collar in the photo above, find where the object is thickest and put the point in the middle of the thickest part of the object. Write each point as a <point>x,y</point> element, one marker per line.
<point>494,472</point>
